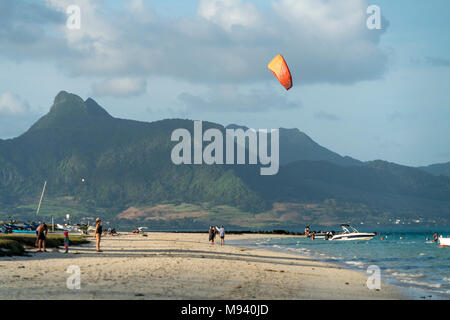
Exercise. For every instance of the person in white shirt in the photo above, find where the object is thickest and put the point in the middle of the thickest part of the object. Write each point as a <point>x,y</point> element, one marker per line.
<point>221,231</point>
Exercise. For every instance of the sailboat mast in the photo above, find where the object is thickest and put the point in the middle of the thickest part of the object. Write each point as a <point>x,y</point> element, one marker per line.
<point>42,196</point>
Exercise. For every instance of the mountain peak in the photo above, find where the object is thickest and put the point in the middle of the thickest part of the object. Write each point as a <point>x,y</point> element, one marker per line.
<point>65,101</point>
<point>94,109</point>
<point>64,95</point>
<point>69,109</point>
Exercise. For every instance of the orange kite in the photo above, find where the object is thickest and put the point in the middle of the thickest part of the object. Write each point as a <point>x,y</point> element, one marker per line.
<point>280,69</point>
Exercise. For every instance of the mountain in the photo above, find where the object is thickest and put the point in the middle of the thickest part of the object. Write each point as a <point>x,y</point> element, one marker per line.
<point>96,164</point>
<point>296,145</point>
<point>123,162</point>
<point>438,169</point>
<point>378,188</point>
<point>71,111</point>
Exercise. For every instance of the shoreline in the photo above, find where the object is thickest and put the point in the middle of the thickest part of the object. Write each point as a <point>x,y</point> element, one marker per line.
<point>407,292</point>
<point>182,266</point>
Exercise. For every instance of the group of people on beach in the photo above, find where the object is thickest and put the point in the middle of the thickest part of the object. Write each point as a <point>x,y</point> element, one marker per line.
<point>213,231</point>
<point>41,238</point>
<point>42,230</point>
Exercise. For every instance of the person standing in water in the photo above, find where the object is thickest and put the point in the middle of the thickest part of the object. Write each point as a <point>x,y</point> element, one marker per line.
<point>221,231</point>
<point>307,231</point>
<point>98,232</point>
<point>435,237</point>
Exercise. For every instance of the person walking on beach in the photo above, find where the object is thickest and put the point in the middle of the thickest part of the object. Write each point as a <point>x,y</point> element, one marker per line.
<point>212,234</point>
<point>66,241</point>
<point>221,231</point>
<point>41,232</point>
<point>98,232</point>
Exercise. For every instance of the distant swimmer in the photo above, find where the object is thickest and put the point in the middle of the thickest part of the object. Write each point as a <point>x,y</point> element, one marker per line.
<point>435,237</point>
<point>307,230</point>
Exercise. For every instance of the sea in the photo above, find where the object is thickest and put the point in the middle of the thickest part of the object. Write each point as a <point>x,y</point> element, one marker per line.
<point>404,256</point>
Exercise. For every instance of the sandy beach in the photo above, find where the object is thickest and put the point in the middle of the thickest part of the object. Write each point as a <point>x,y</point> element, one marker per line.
<point>180,266</point>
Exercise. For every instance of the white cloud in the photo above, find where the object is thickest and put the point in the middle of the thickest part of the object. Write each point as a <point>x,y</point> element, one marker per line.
<point>120,87</point>
<point>229,13</point>
<point>228,41</point>
<point>12,105</point>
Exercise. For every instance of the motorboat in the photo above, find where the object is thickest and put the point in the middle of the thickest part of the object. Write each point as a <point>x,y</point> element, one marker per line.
<point>444,242</point>
<point>349,233</point>
<point>72,228</point>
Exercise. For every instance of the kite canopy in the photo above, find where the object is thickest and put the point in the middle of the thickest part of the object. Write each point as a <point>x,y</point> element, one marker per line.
<point>280,69</point>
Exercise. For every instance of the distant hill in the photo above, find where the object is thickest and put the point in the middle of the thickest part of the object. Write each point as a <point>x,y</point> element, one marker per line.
<point>296,145</point>
<point>438,169</point>
<point>95,163</point>
<point>379,185</point>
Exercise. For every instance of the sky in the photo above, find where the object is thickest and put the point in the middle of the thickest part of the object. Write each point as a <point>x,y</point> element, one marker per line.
<point>366,93</point>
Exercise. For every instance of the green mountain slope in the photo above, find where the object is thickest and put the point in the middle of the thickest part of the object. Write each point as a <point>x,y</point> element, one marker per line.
<point>438,169</point>
<point>122,161</point>
<point>94,162</point>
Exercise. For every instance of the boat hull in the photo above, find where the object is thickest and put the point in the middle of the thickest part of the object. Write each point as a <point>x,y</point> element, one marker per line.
<point>444,242</point>
<point>350,237</point>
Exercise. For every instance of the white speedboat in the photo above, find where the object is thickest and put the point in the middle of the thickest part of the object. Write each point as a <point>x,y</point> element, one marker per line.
<point>68,227</point>
<point>444,242</point>
<point>351,233</point>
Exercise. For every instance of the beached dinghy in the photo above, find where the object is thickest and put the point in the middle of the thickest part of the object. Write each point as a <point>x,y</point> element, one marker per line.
<point>444,242</point>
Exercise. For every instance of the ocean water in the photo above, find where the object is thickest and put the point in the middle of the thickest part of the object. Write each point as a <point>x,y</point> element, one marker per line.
<point>405,258</point>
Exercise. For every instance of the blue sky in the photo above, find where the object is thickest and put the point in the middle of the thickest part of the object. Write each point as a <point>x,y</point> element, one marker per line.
<point>368,94</point>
